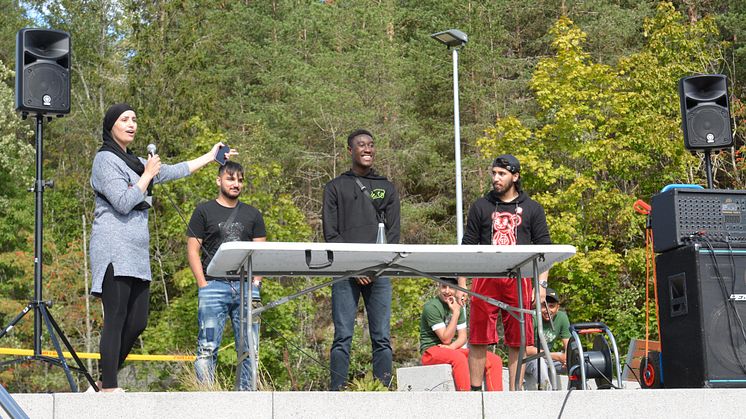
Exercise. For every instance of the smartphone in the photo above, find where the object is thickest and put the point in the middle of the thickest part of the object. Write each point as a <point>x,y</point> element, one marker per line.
<point>220,155</point>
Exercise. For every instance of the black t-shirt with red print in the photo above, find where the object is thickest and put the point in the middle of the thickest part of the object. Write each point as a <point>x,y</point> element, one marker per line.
<point>491,221</point>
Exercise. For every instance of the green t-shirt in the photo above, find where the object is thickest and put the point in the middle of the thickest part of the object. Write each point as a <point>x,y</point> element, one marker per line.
<point>561,329</point>
<point>436,315</point>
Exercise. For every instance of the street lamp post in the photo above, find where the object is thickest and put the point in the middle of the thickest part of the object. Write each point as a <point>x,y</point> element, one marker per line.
<point>454,39</point>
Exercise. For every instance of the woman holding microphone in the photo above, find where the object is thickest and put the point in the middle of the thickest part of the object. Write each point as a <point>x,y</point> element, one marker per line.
<point>120,240</point>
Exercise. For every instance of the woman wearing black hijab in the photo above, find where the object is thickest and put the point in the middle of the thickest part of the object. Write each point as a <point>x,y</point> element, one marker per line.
<point>120,240</point>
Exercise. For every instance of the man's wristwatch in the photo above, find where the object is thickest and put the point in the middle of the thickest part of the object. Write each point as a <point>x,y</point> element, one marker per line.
<point>543,284</point>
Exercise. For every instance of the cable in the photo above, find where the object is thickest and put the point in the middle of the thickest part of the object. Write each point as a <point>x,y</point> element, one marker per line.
<point>183,219</point>
<point>639,379</point>
<point>302,351</point>
<point>733,291</point>
<point>442,383</point>
<point>567,396</point>
<point>604,376</point>
<point>729,304</point>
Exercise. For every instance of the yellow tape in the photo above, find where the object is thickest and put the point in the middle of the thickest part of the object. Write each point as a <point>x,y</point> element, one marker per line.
<point>87,355</point>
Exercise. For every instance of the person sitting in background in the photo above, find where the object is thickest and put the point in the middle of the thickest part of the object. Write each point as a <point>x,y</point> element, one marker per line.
<point>556,325</point>
<point>443,339</point>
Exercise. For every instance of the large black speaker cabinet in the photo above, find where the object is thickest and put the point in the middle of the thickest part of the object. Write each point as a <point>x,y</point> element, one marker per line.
<point>42,72</point>
<point>702,295</point>
<point>705,112</point>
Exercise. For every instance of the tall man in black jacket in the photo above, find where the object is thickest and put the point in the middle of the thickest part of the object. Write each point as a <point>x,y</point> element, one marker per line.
<point>351,217</point>
<point>504,216</point>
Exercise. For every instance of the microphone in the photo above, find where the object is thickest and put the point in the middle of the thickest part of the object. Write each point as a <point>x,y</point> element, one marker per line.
<point>149,196</point>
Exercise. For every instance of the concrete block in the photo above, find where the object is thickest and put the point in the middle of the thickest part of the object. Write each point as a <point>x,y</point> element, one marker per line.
<point>425,378</point>
<point>34,405</point>
<point>389,405</point>
<point>163,405</point>
<point>617,404</point>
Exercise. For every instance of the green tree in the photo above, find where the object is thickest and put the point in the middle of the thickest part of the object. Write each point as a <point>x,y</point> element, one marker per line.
<point>607,135</point>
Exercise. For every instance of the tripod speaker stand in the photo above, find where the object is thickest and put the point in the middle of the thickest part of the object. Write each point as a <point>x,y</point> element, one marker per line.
<point>40,307</point>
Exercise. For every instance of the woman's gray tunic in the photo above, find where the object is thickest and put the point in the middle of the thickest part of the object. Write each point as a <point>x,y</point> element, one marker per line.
<point>120,234</point>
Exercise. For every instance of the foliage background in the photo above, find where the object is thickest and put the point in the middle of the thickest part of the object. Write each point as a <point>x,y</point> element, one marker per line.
<point>583,92</point>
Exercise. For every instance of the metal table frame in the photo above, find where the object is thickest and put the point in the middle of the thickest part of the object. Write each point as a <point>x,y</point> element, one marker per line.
<point>237,259</point>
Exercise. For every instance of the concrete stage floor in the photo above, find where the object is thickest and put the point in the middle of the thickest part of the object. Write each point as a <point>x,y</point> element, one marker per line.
<point>670,403</point>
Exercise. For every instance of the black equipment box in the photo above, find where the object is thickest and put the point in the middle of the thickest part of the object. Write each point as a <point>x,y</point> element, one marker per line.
<point>682,216</point>
<point>702,297</point>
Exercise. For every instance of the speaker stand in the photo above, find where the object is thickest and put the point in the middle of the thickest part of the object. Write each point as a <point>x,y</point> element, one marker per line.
<point>708,168</point>
<point>10,406</point>
<point>40,307</point>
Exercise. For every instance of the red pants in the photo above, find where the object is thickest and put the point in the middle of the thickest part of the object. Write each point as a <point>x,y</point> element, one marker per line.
<point>459,360</point>
<point>483,315</point>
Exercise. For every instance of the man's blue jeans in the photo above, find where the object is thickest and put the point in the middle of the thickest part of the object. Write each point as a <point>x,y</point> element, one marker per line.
<point>218,300</point>
<point>377,299</point>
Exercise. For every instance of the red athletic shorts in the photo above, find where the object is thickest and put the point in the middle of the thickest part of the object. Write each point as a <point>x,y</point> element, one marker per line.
<point>483,315</point>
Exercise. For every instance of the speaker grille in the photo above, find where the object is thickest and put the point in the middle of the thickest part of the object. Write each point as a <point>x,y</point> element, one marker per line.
<point>709,126</point>
<point>727,348</point>
<point>45,87</point>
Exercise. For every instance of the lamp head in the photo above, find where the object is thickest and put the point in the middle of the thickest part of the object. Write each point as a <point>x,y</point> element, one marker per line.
<point>452,38</point>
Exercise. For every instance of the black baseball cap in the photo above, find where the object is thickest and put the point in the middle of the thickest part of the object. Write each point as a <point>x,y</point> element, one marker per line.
<point>552,295</point>
<point>449,280</point>
<point>507,162</point>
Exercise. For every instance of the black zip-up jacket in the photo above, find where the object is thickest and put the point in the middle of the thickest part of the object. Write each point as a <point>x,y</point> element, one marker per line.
<point>528,214</point>
<point>350,217</point>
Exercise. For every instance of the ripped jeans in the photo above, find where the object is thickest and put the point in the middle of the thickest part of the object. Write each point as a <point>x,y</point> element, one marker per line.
<point>217,301</point>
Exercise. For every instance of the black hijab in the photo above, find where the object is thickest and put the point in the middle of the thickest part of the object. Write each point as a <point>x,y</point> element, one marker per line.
<point>112,146</point>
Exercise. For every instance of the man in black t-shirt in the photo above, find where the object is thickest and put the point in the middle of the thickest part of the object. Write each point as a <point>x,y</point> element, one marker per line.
<point>213,223</point>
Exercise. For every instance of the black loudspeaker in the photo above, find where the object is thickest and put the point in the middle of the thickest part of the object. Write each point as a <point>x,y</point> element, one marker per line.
<point>705,112</point>
<point>42,72</point>
<point>702,306</point>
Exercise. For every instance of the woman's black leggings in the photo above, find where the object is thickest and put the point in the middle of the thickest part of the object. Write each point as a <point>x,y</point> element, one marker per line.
<point>126,303</point>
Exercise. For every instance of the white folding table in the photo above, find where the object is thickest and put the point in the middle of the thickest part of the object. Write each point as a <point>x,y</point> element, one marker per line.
<point>343,260</point>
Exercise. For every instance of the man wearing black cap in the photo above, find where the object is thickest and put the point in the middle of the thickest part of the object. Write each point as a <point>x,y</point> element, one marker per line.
<point>503,216</point>
<point>556,325</point>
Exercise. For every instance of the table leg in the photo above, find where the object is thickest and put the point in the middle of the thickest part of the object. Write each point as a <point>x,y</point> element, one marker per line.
<point>249,327</point>
<point>246,331</point>
<point>540,329</point>
<point>521,322</point>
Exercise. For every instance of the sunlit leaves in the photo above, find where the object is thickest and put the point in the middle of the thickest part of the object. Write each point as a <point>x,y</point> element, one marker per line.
<point>608,134</point>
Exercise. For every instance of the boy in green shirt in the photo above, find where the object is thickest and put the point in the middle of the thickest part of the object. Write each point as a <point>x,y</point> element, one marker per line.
<point>443,339</point>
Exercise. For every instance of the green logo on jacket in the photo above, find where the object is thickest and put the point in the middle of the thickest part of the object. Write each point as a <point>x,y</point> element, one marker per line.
<point>377,193</point>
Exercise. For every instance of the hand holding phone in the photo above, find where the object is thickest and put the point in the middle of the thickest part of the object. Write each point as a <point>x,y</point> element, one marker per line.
<point>220,155</point>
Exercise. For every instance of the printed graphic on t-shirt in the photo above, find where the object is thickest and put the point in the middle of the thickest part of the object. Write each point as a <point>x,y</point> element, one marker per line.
<point>504,226</point>
<point>377,193</point>
<point>232,232</point>
<point>549,335</point>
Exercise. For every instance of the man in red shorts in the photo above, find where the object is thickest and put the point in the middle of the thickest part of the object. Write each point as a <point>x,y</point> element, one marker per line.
<point>503,216</point>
